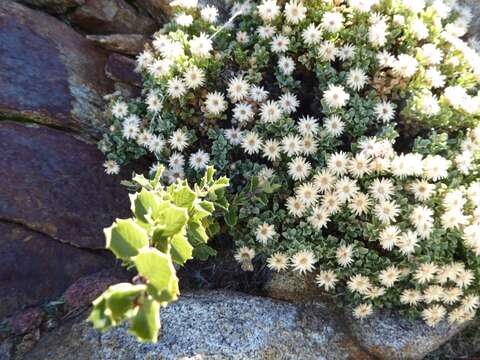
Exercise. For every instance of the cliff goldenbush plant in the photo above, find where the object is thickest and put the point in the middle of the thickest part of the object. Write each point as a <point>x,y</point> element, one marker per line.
<point>169,226</point>
<point>350,132</point>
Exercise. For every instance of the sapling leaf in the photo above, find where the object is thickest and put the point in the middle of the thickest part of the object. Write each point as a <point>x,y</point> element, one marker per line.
<point>174,218</point>
<point>158,269</point>
<point>184,197</point>
<point>146,323</point>
<point>121,299</point>
<point>181,249</point>
<point>125,238</point>
<point>142,203</point>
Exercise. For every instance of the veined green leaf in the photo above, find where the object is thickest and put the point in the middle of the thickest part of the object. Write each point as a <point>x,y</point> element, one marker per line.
<point>158,269</point>
<point>121,299</point>
<point>220,184</point>
<point>207,205</point>
<point>146,323</point>
<point>203,252</point>
<point>231,217</point>
<point>174,218</point>
<point>142,181</point>
<point>98,317</point>
<point>143,202</point>
<point>196,232</point>
<point>181,249</point>
<point>184,197</point>
<point>198,212</point>
<point>158,174</point>
<point>125,238</point>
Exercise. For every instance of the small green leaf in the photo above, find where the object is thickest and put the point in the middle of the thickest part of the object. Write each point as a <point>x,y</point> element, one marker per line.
<point>220,184</point>
<point>158,269</point>
<point>231,217</point>
<point>213,229</point>
<point>174,218</point>
<point>97,317</point>
<point>158,174</point>
<point>142,181</point>
<point>184,197</point>
<point>125,238</point>
<point>181,249</point>
<point>196,232</point>
<point>207,206</point>
<point>146,323</point>
<point>159,241</point>
<point>142,203</point>
<point>209,174</point>
<point>198,212</point>
<point>203,252</point>
<point>121,299</point>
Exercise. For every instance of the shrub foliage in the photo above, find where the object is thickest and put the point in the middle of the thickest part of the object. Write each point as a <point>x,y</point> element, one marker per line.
<point>349,130</point>
<point>169,226</point>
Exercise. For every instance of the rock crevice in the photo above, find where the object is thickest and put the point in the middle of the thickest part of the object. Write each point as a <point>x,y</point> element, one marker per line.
<point>40,229</point>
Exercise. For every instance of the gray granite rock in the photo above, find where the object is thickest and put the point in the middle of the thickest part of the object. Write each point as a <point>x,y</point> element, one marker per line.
<point>474,6</point>
<point>230,325</point>
<point>290,286</point>
<point>214,325</point>
<point>387,335</point>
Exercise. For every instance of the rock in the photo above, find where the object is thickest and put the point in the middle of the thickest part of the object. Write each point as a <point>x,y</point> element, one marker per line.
<point>60,347</point>
<point>473,6</point>
<point>6,348</point>
<point>110,17</point>
<point>121,68</point>
<point>291,286</point>
<point>54,202</point>
<point>129,44</point>
<point>128,91</point>
<point>465,345</point>
<point>53,6</point>
<point>86,289</point>
<point>26,343</point>
<point>37,268</point>
<point>159,10</point>
<point>387,335</point>
<point>214,325</point>
<point>53,183</point>
<point>26,321</point>
<point>231,325</point>
<point>41,55</point>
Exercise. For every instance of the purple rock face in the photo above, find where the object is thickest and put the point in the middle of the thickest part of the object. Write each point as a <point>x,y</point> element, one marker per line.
<point>122,68</point>
<point>54,202</point>
<point>130,44</point>
<point>36,268</point>
<point>55,198</point>
<point>24,53</point>
<point>53,6</point>
<point>110,17</point>
<point>54,183</point>
<point>50,73</point>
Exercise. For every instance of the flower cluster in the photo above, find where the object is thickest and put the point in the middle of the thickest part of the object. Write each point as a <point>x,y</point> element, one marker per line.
<point>349,128</point>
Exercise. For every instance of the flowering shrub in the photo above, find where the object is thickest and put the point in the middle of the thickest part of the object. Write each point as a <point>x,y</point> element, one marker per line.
<point>350,130</point>
<point>169,226</point>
